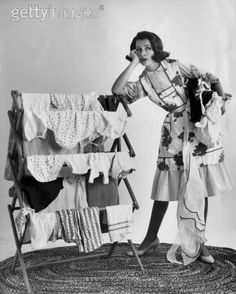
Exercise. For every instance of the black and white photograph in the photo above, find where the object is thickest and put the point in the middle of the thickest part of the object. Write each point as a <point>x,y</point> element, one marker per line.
<point>118,163</point>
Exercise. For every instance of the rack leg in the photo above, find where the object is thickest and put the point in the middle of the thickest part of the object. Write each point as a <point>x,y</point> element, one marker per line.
<point>16,255</point>
<point>14,262</point>
<point>129,146</point>
<point>135,202</point>
<point>113,246</point>
<point>114,145</point>
<point>19,252</point>
<point>118,144</point>
<point>135,254</point>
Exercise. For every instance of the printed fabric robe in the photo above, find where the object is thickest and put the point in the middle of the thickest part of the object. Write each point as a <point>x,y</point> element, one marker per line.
<point>187,170</point>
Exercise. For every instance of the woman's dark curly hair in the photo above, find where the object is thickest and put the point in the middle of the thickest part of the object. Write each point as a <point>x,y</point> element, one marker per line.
<point>156,43</point>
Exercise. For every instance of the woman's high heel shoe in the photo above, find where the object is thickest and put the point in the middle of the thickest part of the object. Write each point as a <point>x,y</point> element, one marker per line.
<point>141,252</point>
<point>205,255</point>
<point>207,258</point>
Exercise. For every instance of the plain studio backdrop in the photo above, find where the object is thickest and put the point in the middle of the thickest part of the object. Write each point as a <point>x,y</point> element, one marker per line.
<point>82,49</point>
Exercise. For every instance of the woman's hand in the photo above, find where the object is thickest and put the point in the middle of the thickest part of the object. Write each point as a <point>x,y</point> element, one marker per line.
<point>118,87</point>
<point>134,56</point>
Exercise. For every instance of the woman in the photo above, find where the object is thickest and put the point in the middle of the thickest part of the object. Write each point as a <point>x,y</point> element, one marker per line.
<point>187,170</point>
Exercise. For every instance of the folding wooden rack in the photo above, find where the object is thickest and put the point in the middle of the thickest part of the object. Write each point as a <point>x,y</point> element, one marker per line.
<point>17,161</point>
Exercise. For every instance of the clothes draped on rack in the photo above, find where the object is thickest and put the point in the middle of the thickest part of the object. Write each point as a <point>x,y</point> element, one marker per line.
<point>81,226</point>
<point>45,168</point>
<point>72,127</point>
<point>85,102</point>
<point>39,195</point>
<point>72,195</point>
<point>119,221</point>
<point>73,118</point>
<point>100,195</point>
<point>79,102</point>
<point>90,228</point>
<point>76,122</point>
<point>64,181</point>
<point>71,192</point>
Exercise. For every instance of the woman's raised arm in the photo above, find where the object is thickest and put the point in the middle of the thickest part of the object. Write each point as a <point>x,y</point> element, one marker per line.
<point>118,86</point>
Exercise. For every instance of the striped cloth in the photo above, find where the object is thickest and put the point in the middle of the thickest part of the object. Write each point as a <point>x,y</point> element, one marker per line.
<point>70,226</point>
<point>82,226</point>
<point>90,228</point>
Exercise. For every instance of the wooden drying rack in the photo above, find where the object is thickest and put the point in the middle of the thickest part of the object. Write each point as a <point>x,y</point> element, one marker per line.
<point>17,161</point>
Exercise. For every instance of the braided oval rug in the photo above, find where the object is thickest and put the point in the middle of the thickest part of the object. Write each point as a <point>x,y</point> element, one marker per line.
<point>121,274</point>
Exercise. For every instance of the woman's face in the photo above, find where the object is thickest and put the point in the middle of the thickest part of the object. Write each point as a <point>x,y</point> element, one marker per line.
<point>145,52</point>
